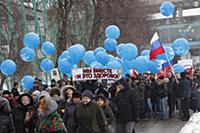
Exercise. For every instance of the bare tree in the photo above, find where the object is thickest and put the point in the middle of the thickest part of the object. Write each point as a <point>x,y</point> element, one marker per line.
<point>130,15</point>
<point>12,34</point>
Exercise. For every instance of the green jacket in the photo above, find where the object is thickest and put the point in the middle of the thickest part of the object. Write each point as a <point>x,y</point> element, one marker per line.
<point>89,119</point>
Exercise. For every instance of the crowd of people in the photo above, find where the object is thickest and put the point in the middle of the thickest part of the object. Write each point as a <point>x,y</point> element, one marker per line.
<point>98,106</point>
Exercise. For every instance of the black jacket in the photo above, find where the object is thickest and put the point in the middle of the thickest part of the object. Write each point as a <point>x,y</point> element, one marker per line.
<point>108,114</point>
<point>6,122</point>
<point>69,114</point>
<point>195,99</point>
<point>127,104</point>
<point>185,87</point>
<point>171,87</point>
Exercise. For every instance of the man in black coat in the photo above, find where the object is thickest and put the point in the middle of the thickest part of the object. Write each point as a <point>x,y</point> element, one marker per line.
<point>127,107</point>
<point>171,94</point>
<point>185,86</point>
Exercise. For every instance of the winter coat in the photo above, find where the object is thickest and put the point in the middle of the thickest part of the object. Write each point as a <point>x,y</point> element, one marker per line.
<point>32,119</point>
<point>162,88</point>
<point>171,87</point>
<point>6,121</point>
<point>128,105</point>
<point>195,99</point>
<point>185,87</point>
<point>69,114</point>
<point>53,123</point>
<point>89,119</point>
<point>19,114</point>
<point>148,88</point>
<point>108,114</point>
<point>65,100</point>
<point>154,90</point>
<point>140,88</point>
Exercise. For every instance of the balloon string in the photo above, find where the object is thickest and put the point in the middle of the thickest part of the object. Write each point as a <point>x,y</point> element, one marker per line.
<point>169,37</point>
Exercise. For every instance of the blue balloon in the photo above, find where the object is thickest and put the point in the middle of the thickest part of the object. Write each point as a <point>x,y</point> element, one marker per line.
<point>126,64</point>
<point>74,66</point>
<point>169,52</point>
<point>148,57</point>
<point>64,66</point>
<point>31,40</point>
<point>114,65</point>
<point>8,67</point>
<point>89,57</point>
<point>155,66</point>
<point>141,64</point>
<point>97,50</point>
<point>76,53</point>
<point>46,65</point>
<point>120,49</point>
<point>128,51</point>
<point>96,65</point>
<point>111,58</point>
<point>145,52</point>
<point>178,68</point>
<point>112,31</point>
<point>181,46</point>
<point>102,57</point>
<point>64,55</point>
<point>48,48</point>
<point>110,44</point>
<point>167,8</point>
<point>27,54</point>
<point>27,82</point>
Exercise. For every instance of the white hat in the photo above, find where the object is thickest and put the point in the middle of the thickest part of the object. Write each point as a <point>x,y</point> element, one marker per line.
<point>36,93</point>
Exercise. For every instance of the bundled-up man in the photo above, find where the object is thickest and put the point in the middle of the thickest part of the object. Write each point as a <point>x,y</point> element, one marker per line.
<point>127,107</point>
<point>185,86</point>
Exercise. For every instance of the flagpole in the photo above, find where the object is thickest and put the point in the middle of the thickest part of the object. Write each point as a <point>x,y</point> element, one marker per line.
<point>156,37</point>
<point>171,67</point>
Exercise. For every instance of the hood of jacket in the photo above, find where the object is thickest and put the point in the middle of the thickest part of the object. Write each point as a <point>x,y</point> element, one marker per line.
<point>163,81</point>
<point>64,89</point>
<point>29,96</point>
<point>50,104</point>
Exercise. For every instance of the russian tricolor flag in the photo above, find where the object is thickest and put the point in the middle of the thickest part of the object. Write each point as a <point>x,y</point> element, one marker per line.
<point>167,65</point>
<point>156,47</point>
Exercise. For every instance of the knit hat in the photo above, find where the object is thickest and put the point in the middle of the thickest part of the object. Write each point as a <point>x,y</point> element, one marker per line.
<point>87,93</point>
<point>76,94</point>
<point>36,93</point>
